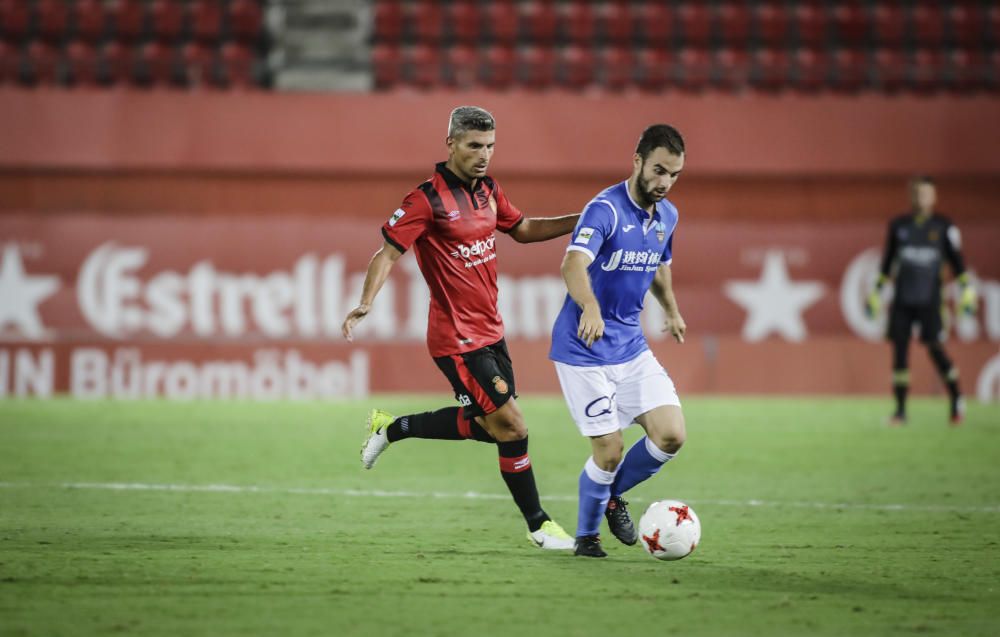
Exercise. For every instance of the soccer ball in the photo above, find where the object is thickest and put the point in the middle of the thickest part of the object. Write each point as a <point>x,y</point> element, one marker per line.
<point>669,530</point>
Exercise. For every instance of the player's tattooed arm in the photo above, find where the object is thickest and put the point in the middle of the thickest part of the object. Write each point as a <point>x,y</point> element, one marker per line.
<point>574,271</point>
<point>534,229</point>
<point>663,290</point>
<point>378,271</point>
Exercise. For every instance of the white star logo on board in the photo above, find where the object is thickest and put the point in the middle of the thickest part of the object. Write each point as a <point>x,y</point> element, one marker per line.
<point>774,303</point>
<point>20,295</point>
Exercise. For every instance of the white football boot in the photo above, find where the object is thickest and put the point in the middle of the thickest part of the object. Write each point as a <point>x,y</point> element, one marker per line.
<point>551,536</point>
<point>376,440</point>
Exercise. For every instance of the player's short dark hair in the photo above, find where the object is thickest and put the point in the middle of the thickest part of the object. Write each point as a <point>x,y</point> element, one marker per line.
<point>918,180</point>
<point>466,118</point>
<point>657,136</point>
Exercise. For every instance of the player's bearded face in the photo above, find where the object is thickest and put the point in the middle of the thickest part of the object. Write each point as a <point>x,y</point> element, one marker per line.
<point>469,154</point>
<point>656,175</point>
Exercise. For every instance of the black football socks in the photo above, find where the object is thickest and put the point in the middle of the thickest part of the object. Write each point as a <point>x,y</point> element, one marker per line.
<point>444,424</point>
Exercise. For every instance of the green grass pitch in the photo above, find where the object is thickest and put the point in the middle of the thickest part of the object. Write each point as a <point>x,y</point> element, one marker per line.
<point>256,519</point>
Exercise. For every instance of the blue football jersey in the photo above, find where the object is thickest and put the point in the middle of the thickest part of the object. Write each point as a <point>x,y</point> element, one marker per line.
<point>627,247</point>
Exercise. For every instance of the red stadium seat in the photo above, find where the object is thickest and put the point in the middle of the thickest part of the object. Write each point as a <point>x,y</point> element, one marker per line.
<point>199,65</point>
<point>849,23</point>
<point>615,22</point>
<point>890,70</point>
<point>206,20</point>
<point>927,71</point>
<point>464,21</point>
<point>460,67</point>
<point>694,24</point>
<point>966,25</point>
<point>53,20</point>
<point>81,59</point>
<point>118,64</point>
<point>535,67</point>
<point>617,68</point>
<point>496,71</point>
<point>423,65</point>
<point>992,79</point>
<point>810,24</point>
<point>576,68</point>
<point>501,22</point>
<point>770,69</point>
<point>579,22</point>
<point>538,21</point>
<point>654,69</point>
<point>246,21</point>
<point>158,64</point>
<point>732,24</point>
<point>237,63</point>
<point>770,24</point>
<point>657,23</point>
<point>43,63</point>
<point>966,70</point>
<point>889,24</point>
<point>91,20</point>
<point>386,66</point>
<point>388,21</point>
<point>428,20</point>
<point>15,20</point>
<point>693,69</point>
<point>850,69</point>
<point>167,20</point>
<point>993,25</point>
<point>811,70</point>
<point>10,66</point>
<point>926,25</point>
<point>730,68</point>
<point>128,20</point>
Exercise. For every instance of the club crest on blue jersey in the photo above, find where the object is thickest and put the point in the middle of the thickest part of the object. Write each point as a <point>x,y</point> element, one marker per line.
<point>661,231</point>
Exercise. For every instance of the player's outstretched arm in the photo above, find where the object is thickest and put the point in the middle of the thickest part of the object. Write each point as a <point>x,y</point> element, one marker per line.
<point>574,272</point>
<point>378,271</point>
<point>663,290</point>
<point>543,228</point>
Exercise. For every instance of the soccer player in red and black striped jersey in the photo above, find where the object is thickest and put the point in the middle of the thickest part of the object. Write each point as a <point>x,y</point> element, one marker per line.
<point>449,221</point>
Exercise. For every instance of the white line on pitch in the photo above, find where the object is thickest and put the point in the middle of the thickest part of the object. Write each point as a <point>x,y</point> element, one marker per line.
<point>472,495</point>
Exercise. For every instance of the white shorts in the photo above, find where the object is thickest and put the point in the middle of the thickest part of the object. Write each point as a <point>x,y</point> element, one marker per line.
<point>606,399</point>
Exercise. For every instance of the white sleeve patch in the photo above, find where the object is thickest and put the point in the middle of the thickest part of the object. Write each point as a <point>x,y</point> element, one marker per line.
<point>955,237</point>
<point>583,237</point>
<point>396,216</point>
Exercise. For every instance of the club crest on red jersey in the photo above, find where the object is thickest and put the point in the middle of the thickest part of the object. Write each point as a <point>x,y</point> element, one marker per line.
<point>500,385</point>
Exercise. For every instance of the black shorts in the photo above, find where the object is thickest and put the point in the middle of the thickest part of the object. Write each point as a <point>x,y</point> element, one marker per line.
<point>902,318</point>
<point>483,379</point>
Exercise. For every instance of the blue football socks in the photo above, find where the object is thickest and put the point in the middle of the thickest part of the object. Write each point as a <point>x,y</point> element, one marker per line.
<point>595,490</point>
<point>641,462</point>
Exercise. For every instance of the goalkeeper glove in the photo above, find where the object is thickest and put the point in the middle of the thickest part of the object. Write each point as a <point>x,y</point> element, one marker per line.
<point>874,301</point>
<point>967,298</point>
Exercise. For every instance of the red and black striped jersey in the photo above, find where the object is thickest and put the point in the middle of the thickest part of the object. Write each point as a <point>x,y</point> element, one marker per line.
<point>451,227</point>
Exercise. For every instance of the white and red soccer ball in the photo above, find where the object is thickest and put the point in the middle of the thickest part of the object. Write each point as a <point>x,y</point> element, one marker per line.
<point>669,530</point>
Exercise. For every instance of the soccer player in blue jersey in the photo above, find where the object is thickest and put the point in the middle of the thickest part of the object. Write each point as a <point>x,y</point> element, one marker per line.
<point>621,248</point>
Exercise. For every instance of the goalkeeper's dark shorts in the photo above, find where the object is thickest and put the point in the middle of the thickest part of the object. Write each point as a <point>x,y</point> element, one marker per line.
<point>903,317</point>
<point>483,379</point>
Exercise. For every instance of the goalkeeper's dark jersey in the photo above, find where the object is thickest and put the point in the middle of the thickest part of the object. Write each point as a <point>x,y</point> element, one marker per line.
<point>918,247</point>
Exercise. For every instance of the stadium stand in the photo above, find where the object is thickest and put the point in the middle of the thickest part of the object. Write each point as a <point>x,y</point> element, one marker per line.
<point>725,45</point>
<point>732,46</point>
<point>175,44</point>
